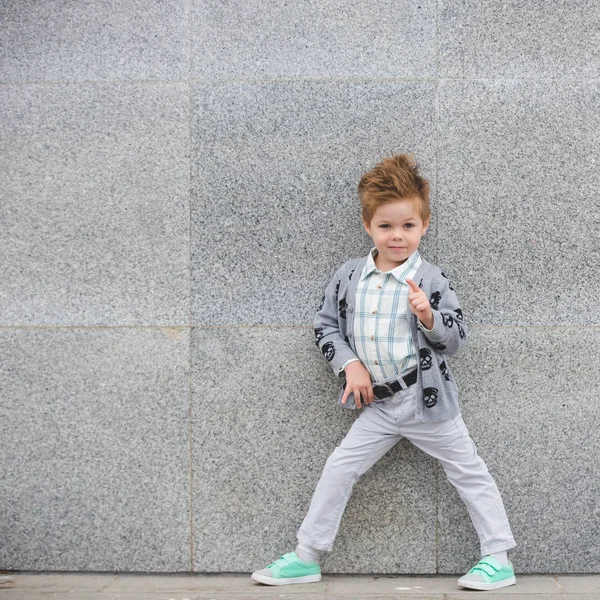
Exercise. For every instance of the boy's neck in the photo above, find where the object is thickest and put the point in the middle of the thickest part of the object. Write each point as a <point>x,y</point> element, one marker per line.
<point>389,267</point>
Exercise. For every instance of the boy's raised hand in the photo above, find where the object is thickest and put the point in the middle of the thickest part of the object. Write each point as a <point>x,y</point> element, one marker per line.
<point>419,304</point>
<point>358,381</point>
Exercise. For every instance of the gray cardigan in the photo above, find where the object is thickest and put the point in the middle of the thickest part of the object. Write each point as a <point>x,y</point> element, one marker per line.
<point>334,324</point>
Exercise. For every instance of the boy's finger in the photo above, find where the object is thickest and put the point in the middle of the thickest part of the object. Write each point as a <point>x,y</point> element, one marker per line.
<point>417,294</point>
<point>413,285</point>
<point>364,397</point>
<point>357,398</point>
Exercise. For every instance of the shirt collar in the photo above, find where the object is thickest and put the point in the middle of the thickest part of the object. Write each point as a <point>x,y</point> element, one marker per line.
<point>400,272</point>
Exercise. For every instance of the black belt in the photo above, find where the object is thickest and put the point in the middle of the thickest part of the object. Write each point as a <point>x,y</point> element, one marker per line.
<point>385,390</point>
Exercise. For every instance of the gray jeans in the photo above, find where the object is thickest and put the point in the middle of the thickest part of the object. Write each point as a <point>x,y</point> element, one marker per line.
<point>377,429</point>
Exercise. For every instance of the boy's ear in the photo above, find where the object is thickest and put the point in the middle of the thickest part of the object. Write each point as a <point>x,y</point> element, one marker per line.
<point>367,228</point>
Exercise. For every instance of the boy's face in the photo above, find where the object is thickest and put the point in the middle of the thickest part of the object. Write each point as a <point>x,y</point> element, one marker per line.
<point>396,229</point>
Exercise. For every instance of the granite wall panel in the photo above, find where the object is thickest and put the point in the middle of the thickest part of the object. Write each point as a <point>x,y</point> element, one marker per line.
<point>531,407</point>
<point>519,210</point>
<point>265,419</point>
<point>275,171</point>
<point>95,449</point>
<point>94,184</point>
<point>94,40</point>
<point>506,39</point>
<point>333,40</point>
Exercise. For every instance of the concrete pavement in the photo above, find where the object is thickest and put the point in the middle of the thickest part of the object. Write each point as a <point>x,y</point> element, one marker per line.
<point>27,585</point>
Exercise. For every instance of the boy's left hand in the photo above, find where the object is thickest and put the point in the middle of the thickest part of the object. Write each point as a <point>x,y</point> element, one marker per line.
<point>419,304</point>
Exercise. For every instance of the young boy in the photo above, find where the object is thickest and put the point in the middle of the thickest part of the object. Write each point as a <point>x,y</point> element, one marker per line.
<point>387,324</point>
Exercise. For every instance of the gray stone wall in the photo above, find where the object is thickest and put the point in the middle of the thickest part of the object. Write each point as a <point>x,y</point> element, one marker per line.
<point>178,185</point>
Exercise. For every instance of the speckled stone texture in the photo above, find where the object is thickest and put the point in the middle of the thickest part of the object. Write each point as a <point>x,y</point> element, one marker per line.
<point>94,185</point>
<point>531,407</point>
<point>275,209</point>
<point>94,439</point>
<point>93,40</point>
<point>254,39</point>
<point>518,204</point>
<point>510,38</point>
<point>265,419</point>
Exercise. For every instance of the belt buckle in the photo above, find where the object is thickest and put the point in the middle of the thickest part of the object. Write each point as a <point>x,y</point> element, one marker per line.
<point>385,392</point>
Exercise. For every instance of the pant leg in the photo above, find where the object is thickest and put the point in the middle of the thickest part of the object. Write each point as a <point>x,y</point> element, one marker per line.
<point>372,434</point>
<point>449,442</point>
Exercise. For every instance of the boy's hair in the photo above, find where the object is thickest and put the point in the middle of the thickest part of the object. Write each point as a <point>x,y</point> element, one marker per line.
<point>394,178</point>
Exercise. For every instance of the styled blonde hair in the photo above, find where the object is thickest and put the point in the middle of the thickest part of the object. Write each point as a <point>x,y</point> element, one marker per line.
<point>394,178</point>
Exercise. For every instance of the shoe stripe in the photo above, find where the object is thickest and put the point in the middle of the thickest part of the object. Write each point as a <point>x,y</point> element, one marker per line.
<point>278,565</point>
<point>475,569</point>
<point>483,562</point>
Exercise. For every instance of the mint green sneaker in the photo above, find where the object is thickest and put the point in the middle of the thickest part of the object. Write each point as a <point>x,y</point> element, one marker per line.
<point>288,569</point>
<point>488,574</point>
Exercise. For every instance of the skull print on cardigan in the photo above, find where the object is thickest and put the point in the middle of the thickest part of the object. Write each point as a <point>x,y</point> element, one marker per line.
<point>333,326</point>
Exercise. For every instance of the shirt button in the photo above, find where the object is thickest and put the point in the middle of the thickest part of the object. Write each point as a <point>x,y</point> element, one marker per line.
<point>372,337</point>
<point>378,287</point>
<point>374,312</point>
<point>376,362</point>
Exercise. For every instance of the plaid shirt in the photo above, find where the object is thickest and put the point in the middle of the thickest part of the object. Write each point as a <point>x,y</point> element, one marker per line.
<point>381,330</point>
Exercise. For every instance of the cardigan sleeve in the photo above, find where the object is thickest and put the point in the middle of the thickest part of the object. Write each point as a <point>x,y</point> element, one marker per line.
<point>350,360</point>
<point>449,332</point>
<point>327,330</point>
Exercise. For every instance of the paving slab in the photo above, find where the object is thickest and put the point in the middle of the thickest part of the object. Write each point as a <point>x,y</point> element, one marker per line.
<point>579,584</point>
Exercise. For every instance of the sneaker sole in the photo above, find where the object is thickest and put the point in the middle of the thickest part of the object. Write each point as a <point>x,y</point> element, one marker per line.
<point>480,585</point>
<point>285,580</point>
